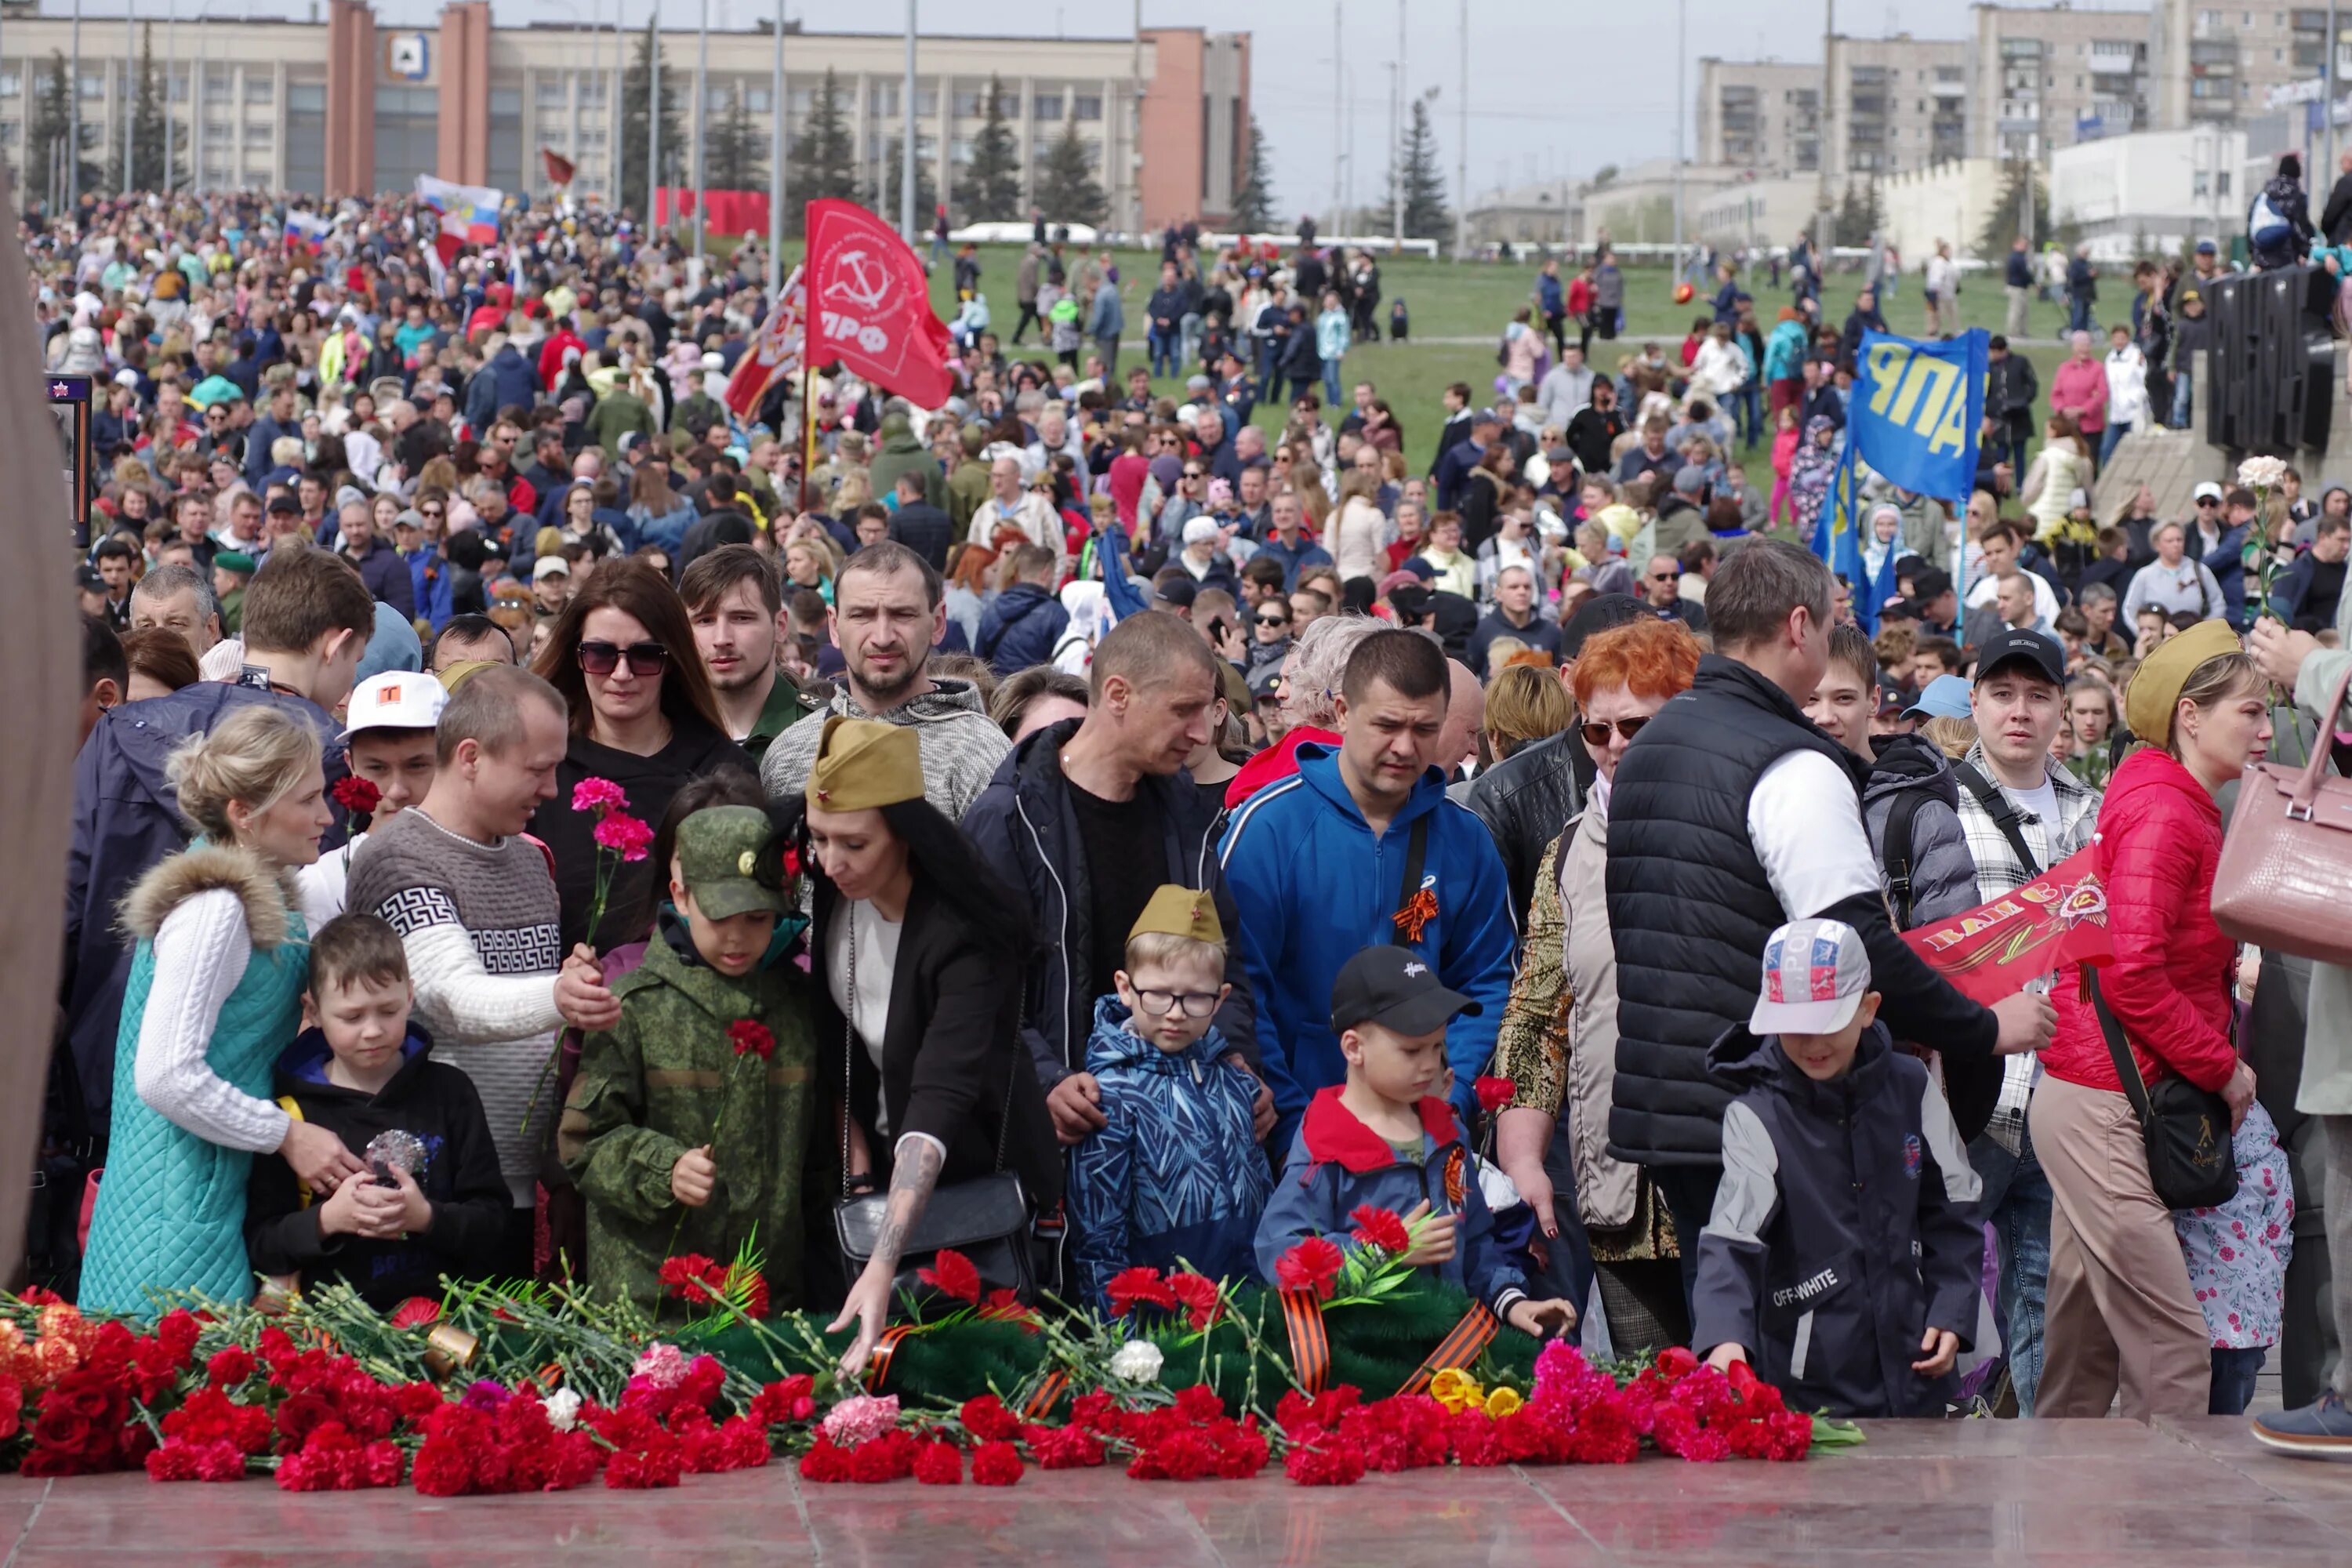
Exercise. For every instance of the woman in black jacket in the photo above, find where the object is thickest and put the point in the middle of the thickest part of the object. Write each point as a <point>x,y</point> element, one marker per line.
<point>921,949</point>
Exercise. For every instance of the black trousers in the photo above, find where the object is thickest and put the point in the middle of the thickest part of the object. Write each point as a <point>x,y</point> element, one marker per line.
<point>1029,318</point>
<point>1688,1192</point>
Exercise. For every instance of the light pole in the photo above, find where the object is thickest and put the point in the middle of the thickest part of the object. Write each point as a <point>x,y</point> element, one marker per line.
<point>701,134</point>
<point>907,141</point>
<point>776,163</point>
<point>653,113</point>
<point>73,120</point>
<point>1824,220</point>
<point>171,65</point>
<point>1461,153</point>
<point>1396,154</point>
<point>613,117</point>
<point>1338,113</point>
<point>130,70</point>
<point>1682,113</point>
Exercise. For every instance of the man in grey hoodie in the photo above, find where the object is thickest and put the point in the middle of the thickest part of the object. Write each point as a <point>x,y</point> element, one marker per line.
<point>888,613</point>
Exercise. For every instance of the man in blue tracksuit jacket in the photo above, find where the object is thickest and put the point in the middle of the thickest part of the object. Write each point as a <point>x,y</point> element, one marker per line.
<point>1314,883</point>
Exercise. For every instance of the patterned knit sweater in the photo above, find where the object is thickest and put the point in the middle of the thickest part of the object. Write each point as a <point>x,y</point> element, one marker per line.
<point>960,747</point>
<point>478,921</point>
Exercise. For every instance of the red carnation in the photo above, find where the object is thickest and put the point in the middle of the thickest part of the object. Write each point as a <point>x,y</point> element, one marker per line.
<point>793,1399</point>
<point>1064,1448</point>
<point>952,1274</point>
<point>940,1465</point>
<point>12,1406</point>
<point>825,1462</point>
<point>751,1038</point>
<point>1325,1463</point>
<point>1131,1287</point>
<point>995,1465</point>
<point>1381,1228</point>
<point>987,1420</point>
<point>357,796</point>
<point>176,1332</point>
<point>633,840</point>
<point>230,1367</point>
<point>1203,1304</point>
<point>1494,1094</point>
<point>1312,1265</point>
<point>687,1276</point>
<point>415,1312</point>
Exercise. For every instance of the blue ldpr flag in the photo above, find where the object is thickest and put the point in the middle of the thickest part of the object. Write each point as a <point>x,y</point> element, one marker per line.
<point>1916,410</point>
<point>1118,589</point>
<point>1837,537</point>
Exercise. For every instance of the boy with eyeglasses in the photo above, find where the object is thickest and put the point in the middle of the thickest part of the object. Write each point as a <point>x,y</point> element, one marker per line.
<point>1176,1174</point>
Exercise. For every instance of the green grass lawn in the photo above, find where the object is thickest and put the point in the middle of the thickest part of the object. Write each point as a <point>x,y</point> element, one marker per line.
<point>1475,299</point>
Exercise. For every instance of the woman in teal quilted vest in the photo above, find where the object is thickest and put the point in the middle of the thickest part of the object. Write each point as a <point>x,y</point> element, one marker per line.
<point>215,991</point>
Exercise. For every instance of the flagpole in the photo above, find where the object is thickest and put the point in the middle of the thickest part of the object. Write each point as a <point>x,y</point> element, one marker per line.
<point>701,136</point>
<point>776,168</point>
<point>808,419</point>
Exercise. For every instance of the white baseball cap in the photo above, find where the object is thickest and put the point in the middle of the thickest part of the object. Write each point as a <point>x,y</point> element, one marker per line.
<point>1815,972</point>
<point>550,566</point>
<point>2208,490</point>
<point>397,700</point>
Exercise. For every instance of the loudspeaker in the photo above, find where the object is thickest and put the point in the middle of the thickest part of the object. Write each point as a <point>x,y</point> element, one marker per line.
<point>2270,374</point>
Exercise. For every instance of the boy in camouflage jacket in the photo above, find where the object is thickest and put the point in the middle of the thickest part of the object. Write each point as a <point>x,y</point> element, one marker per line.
<point>697,1102</point>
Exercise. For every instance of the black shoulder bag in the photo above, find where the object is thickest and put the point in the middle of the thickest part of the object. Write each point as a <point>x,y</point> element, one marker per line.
<point>2191,1162</point>
<point>986,1219</point>
<point>1901,862</point>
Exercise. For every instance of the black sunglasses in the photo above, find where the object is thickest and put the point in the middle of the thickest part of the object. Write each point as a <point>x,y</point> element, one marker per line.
<point>1596,734</point>
<point>2209,500</point>
<point>1274,620</point>
<point>647,659</point>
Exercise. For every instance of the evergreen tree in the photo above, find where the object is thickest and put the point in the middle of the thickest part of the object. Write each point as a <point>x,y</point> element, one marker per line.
<point>737,156</point>
<point>1426,216</point>
<point>636,87</point>
<point>882,195</point>
<point>147,112</point>
<point>1067,187</point>
<point>52,122</point>
<point>1253,198</point>
<point>1860,215</point>
<point>990,187</point>
<point>824,160</point>
<point>2004,222</point>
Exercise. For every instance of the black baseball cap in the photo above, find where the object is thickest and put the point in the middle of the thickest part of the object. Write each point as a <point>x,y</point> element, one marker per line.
<point>282,502</point>
<point>2018,645</point>
<point>1396,988</point>
<point>1929,583</point>
<point>1177,592</point>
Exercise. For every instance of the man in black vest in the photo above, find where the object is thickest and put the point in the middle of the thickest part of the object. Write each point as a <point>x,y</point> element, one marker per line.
<point>1731,814</point>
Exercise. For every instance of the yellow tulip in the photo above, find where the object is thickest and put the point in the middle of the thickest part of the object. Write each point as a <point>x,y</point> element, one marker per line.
<point>1455,1389</point>
<point>1502,1401</point>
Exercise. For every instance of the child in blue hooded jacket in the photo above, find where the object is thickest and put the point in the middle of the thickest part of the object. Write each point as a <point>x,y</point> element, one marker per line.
<point>1175,1176</point>
<point>1387,1139</point>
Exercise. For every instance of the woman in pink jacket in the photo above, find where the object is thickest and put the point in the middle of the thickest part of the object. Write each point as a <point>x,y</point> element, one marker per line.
<point>2080,389</point>
<point>2122,1316</point>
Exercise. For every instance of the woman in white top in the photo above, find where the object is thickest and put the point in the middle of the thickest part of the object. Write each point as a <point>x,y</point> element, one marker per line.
<point>2061,468</point>
<point>922,951</point>
<point>2127,389</point>
<point>214,995</point>
<point>2173,581</point>
<point>1359,533</point>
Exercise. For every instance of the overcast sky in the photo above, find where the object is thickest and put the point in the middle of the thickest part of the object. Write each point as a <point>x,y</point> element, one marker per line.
<point>1556,90</point>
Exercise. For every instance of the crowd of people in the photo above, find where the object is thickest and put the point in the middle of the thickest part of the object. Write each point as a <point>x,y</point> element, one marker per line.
<point>525,823</point>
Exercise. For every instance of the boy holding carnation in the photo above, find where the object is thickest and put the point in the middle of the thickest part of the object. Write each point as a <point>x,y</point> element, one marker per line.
<point>687,1123</point>
<point>1176,1175</point>
<point>435,1204</point>
<point>1385,1145</point>
<point>1844,1255</point>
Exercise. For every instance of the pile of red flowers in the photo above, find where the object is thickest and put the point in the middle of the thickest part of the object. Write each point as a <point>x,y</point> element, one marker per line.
<point>1190,1439</point>
<point>693,1277</point>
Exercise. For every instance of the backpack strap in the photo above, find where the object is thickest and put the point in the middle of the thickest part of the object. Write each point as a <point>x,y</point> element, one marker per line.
<point>2004,815</point>
<point>1901,866</point>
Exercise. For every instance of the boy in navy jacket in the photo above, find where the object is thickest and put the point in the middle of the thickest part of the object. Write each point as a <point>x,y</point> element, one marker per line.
<point>1176,1174</point>
<point>1844,1251</point>
<point>1385,1138</point>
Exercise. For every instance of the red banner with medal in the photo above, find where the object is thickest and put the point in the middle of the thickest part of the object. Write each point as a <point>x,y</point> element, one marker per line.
<point>1993,950</point>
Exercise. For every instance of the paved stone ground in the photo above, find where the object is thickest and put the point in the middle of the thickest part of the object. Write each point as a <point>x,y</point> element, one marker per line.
<point>1977,1494</point>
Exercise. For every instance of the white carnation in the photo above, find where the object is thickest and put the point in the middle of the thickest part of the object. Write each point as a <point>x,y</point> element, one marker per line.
<point>562,1408</point>
<point>1138,1361</point>
<point>2262,473</point>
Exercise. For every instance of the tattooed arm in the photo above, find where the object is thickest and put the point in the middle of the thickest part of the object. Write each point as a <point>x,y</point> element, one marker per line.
<point>918,1159</point>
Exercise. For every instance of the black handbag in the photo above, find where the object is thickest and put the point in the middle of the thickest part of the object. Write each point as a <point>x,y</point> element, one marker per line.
<point>2187,1129</point>
<point>986,1219</point>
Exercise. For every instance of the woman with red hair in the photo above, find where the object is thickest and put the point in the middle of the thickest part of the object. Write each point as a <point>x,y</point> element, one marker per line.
<point>1558,1042</point>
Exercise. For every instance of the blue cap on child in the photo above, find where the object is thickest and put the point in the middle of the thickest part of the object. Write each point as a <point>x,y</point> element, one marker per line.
<point>1815,972</point>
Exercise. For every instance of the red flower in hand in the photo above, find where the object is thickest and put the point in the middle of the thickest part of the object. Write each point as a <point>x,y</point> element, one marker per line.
<point>1381,1228</point>
<point>952,1274</point>
<point>415,1311</point>
<point>688,1277</point>
<point>357,796</point>
<point>1199,1295</point>
<point>1312,1265</point>
<point>1494,1094</point>
<point>1137,1287</point>
<point>751,1038</point>
<point>623,834</point>
<point>598,796</point>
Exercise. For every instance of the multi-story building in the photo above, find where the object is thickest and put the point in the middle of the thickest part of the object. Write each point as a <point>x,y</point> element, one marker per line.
<point>2042,78</point>
<point>346,106</point>
<point>2217,65</point>
<point>1896,103</point>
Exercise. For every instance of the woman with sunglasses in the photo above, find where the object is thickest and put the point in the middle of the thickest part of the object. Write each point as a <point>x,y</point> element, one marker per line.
<point>1558,1042</point>
<point>623,654</point>
<point>921,950</point>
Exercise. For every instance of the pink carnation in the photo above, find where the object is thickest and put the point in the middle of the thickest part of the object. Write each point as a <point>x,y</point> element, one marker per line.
<point>619,831</point>
<point>663,1365</point>
<point>860,1417</point>
<point>598,795</point>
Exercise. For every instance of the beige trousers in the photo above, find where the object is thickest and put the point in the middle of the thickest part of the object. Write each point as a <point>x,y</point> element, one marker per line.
<point>2120,1317</point>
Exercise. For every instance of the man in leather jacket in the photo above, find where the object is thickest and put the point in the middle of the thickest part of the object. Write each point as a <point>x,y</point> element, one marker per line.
<point>1527,798</point>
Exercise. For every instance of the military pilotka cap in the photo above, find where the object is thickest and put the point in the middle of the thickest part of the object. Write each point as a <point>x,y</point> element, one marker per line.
<point>862,765</point>
<point>1176,911</point>
<point>717,850</point>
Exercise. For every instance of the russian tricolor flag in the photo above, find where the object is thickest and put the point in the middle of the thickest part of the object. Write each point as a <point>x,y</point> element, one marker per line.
<point>308,229</point>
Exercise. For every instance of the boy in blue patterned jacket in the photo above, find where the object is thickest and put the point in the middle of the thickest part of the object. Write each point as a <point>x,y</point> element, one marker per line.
<point>1176,1173</point>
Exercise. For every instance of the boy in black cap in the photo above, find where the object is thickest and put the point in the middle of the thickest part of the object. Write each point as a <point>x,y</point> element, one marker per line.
<point>1386,1139</point>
